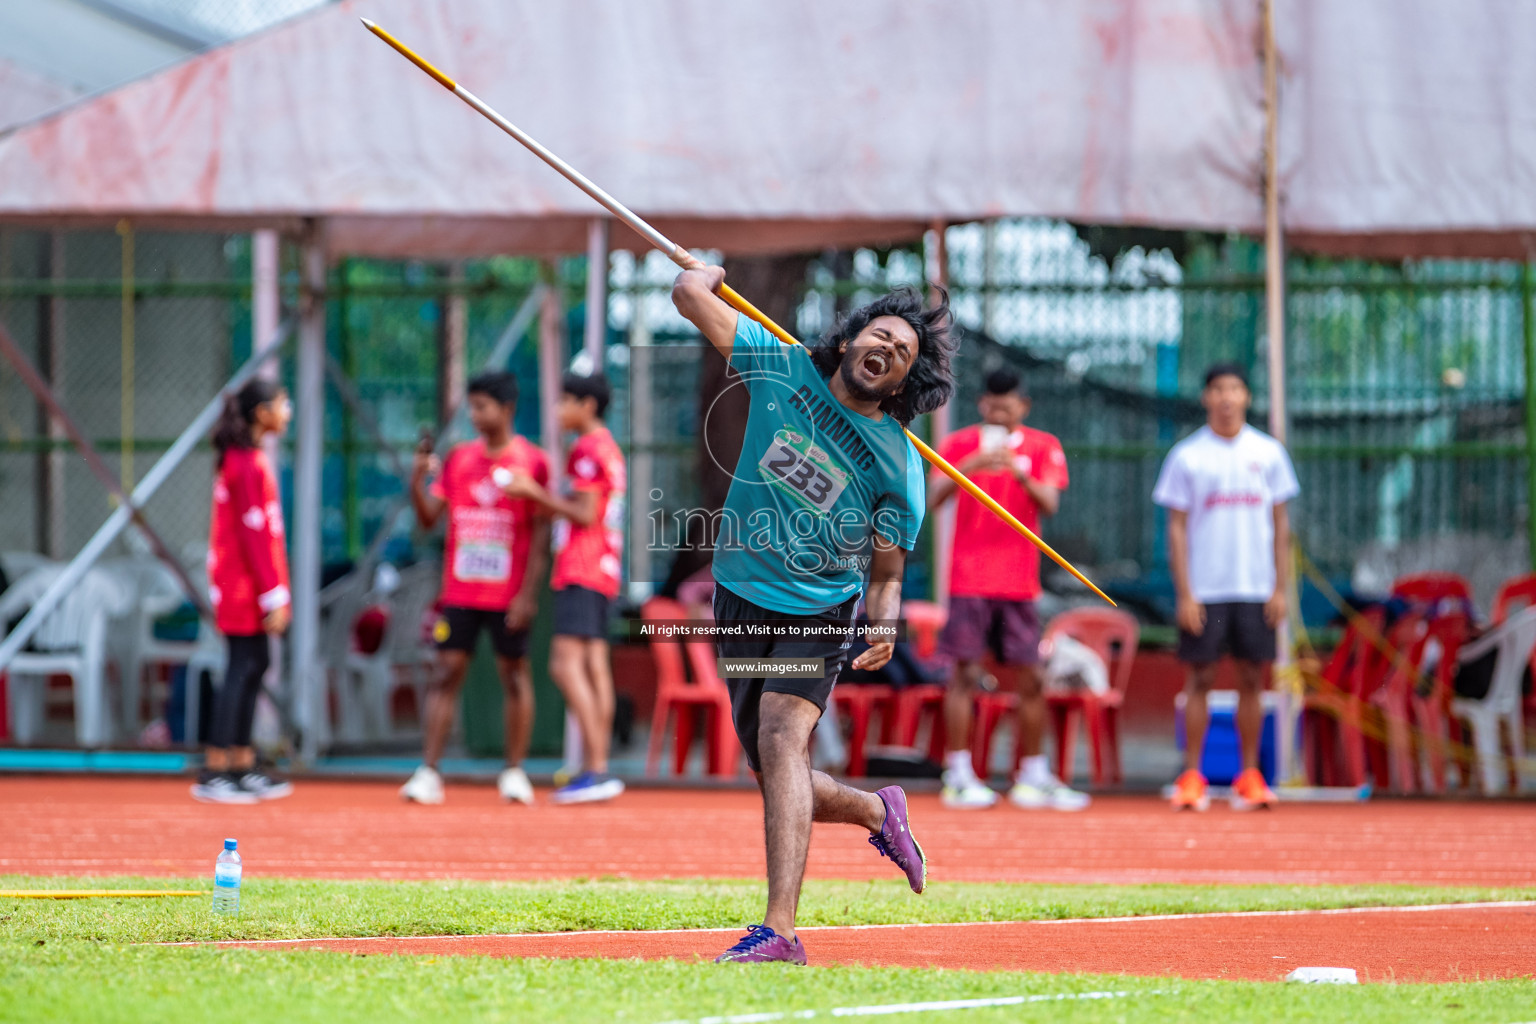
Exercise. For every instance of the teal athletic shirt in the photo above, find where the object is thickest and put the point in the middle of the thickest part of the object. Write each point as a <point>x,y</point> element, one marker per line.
<point>814,480</point>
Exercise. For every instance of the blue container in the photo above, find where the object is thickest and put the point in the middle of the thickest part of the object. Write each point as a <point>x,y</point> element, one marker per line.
<point>1222,758</point>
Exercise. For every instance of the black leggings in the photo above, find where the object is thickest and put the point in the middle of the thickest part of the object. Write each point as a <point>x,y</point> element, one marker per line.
<point>235,707</point>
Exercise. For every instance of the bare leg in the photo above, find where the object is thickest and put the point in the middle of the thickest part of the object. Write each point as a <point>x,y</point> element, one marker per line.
<point>600,676</point>
<point>568,664</point>
<point>835,803</point>
<point>242,759</point>
<point>216,759</point>
<point>1031,710</point>
<point>783,744</point>
<point>1196,715</point>
<point>516,706</point>
<point>443,703</point>
<point>959,700</point>
<point>1250,710</point>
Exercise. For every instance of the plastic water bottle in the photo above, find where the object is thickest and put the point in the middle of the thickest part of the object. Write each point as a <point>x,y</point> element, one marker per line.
<point>226,880</point>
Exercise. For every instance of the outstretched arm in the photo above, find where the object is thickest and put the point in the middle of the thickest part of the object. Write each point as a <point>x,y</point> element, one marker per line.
<point>695,293</point>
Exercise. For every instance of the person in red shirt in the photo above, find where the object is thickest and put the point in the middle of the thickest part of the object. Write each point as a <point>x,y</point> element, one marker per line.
<point>494,561</point>
<point>994,581</point>
<point>589,538</point>
<point>247,585</point>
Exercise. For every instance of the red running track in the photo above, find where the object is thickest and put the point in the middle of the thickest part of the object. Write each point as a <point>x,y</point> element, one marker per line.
<point>104,826</point>
<point>1426,945</point>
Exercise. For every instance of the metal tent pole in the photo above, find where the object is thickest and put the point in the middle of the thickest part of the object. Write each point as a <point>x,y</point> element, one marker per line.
<point>1287,768</point>
<point>596,331</point>
<point>309,407</point>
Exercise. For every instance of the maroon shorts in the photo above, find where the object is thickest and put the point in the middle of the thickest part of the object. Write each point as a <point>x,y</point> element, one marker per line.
<point>976,625</point>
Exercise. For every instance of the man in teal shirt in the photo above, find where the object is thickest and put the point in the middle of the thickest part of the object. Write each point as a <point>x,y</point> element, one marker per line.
<point>824,504</point>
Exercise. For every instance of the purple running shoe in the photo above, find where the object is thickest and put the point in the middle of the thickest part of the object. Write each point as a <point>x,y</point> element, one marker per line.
<point>895,839</point>
<point>763,945</point>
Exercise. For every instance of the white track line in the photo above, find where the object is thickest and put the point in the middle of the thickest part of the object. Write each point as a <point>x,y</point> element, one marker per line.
<point>1216,915</point>
<point>887,1009</point>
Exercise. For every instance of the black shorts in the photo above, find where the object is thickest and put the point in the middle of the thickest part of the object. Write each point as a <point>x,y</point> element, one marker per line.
<point>581,612</point>
<point>1235,627</point>
<point>458,629</point>
<point>747,692</point>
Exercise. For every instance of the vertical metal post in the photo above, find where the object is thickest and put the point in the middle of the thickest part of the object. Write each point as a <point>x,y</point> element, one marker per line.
<point>1287,684</point>
<point>309,689</point>
<point>350,516</point>
<point>1528,323</point>
<point>940,421</point>
<point>1274,240</point>
<point>596,331</point>
<point>125,432</point>
<point>551,359</point>
<point>50,357</point>
<point>452,338</point>
<point>642,432</point>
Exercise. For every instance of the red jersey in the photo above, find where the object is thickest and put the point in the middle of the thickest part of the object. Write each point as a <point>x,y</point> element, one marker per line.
<point>988,558</point>
<point>588,556</point>
<point>247,565</point>
<point>489,534</point>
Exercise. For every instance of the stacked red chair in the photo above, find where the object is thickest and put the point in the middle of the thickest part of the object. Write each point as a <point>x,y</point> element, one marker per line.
<point>1115,637</point>
<point>676,693</point>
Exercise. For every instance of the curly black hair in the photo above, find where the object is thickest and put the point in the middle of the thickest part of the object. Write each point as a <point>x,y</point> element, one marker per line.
<point>930,382</point>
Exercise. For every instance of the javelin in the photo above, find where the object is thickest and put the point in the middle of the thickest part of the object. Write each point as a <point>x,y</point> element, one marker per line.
<point>683,258</point>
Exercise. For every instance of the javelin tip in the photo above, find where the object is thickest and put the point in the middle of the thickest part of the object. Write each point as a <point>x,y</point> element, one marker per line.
<point>370,25</point>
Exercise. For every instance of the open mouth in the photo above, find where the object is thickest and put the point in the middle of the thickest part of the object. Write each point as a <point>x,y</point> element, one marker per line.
<point>876,363</point>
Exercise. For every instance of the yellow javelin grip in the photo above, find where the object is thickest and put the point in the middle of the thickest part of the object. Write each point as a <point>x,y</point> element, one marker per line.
<point>682,258</point>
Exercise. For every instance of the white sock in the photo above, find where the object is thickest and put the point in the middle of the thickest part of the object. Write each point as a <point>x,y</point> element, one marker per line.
<point>958,764</point>
<point>1035,771</point>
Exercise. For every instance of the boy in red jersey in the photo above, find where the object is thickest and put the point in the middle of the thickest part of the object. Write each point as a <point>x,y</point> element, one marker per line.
<point>248,587</point>
<point>493,564</point>
<point>993,585</point>
<point>589,537</point>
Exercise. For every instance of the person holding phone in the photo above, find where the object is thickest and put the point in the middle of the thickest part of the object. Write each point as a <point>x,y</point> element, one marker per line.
<point>494,561</point>
<point>994,581</point>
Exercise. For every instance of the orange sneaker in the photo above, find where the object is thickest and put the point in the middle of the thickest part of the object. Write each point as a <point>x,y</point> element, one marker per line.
<point>1250,791</point>
<point>1189,792</point>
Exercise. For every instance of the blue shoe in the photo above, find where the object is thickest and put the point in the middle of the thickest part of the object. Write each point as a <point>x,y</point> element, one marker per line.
<point>763,945</point>
<point>588,788</point>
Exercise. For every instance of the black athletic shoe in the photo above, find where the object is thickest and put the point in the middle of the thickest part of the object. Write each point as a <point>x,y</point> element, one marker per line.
<point>263,786</point>
<point>221,788</point>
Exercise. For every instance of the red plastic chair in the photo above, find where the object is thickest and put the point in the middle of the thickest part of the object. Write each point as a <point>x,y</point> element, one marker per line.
<point>1515,594</point>
<point>858,702</point>
<point>1406,711</point>
<point>1114,636</point>
<point>1429,587</point>
<point>925,621</point>
<point>675,692</point>
<point>992,706</point>
<point>1333,712</point>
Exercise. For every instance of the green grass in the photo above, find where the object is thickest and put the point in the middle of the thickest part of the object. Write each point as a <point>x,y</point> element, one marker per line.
<point>75,960</point>
<point>282,909</point>
<point>110,984</point>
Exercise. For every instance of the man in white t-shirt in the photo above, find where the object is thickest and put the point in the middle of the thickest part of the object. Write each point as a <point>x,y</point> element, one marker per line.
<point>1225,488</point>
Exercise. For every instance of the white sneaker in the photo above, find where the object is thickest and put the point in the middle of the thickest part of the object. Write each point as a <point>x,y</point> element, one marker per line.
<point>966,792</point>
<point>513,785</point>
<point>1054,794</point>
<point>424,787</point>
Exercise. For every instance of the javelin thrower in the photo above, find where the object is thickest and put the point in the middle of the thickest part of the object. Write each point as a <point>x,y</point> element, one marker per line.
<point>826,495</point>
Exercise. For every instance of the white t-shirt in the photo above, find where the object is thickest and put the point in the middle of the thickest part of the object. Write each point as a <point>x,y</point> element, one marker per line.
<point>1229,487</point>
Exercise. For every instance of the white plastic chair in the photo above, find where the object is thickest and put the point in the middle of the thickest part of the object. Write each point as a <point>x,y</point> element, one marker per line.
<point>369,680</point>
<point>1514,640</point>
<point>71,641</point>
<point>156,593</point>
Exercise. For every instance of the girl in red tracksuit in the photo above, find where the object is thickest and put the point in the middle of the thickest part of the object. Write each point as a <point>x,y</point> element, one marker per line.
<point>247,585</point>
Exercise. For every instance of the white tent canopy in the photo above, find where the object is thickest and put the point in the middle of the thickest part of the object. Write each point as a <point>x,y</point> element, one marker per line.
<point>799,125</point>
